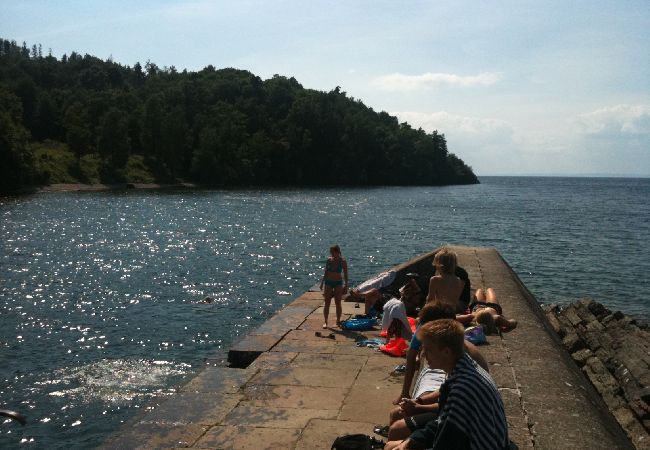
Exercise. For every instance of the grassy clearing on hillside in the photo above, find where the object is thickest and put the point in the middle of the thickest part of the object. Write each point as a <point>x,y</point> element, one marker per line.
<point>59,165</point>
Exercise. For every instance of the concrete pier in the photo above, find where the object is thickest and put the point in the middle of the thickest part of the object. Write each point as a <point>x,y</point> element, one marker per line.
<point>301,391</point>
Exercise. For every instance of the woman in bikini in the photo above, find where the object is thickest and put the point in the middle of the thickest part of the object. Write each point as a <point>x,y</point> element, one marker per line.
<point>485,310</point>
<point>336,269</point>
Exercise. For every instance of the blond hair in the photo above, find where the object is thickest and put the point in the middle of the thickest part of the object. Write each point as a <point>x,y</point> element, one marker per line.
<point>445,261</point>
<point>447,333</point>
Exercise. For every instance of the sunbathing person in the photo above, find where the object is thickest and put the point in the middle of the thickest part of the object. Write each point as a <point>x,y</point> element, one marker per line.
<point>471,412</point>
<point>445,287</point>
<point>487,311</point>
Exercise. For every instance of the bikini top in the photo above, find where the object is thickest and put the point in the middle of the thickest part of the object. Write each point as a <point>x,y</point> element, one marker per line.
<point>330,268</point>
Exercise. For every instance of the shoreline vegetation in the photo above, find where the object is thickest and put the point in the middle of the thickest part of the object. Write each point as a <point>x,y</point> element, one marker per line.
<point>83,120</point>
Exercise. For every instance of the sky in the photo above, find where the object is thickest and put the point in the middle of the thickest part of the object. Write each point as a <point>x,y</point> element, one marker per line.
<point>544,87</point>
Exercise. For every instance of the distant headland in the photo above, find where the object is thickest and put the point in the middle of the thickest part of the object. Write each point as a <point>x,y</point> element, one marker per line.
<point>80,119</point>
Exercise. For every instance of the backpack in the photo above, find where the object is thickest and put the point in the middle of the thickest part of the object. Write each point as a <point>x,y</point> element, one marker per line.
<point>357,442</point>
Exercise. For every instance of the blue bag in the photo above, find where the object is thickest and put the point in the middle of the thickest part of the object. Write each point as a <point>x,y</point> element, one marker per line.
<point>359,324</point>
<point>475,335</point>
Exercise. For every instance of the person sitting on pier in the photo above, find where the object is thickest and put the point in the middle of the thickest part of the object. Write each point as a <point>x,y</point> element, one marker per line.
<point>471,412</point>
<point>445,287</point>
<point>486,311</point>
<point>414,411</point>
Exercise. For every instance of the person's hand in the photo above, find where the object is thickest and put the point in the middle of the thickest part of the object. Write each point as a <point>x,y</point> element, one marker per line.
<point>404,445</point>
<point>408,406</point>
<point>400,399</point>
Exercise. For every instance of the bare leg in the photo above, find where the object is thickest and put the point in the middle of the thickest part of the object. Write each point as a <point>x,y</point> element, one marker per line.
<point>491,296</point>
<point>480,295</point>
<point>395,415</point>
<point>327,294</point>
<point>398,431</point>
<point>370,298</point>
<point>338,295</point>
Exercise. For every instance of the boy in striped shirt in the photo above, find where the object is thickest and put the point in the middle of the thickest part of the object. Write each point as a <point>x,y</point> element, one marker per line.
<point>471,414</point>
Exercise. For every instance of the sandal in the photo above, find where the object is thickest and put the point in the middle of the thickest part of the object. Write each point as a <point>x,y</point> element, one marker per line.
<point>382,430</point>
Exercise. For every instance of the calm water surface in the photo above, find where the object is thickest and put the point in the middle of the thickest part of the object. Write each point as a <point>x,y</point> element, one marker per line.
<point>99,291</point>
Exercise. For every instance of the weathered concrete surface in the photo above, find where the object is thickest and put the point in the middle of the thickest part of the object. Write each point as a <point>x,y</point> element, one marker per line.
<point>302,390</point>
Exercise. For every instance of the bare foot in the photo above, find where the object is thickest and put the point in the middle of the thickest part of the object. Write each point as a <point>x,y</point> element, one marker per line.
<point>324,326</point>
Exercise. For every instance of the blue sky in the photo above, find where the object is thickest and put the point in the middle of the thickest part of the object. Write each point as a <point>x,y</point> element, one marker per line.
<point>517,87</point>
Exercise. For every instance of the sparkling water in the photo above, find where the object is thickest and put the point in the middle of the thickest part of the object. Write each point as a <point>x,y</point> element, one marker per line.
<point>100,292</point>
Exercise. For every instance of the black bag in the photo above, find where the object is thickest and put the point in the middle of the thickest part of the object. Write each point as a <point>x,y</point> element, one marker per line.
<point>357,442</point>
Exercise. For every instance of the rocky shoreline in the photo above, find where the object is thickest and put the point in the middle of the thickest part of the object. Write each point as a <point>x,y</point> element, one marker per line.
<point>613,352</point>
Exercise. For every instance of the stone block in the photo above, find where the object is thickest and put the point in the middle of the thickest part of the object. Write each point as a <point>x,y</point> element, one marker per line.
<point>270,417</point>
<point>572,342</point>
<point>594,325</point>
<point>555,324</point>
<point>249,438</point>
<point>581,356</point>
<point>147,436</point>
<point>308,397</point>
<point>571,315</point>
<point>320,434</point>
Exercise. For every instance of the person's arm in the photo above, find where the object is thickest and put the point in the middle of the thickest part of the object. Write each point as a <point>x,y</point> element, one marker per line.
<point>411,407</point>
<point>432,286</point>
<point>465,319</point>
<point>429,398</point>
<point>345,275</point>
<point>476,355</point>
<point>411,356</point>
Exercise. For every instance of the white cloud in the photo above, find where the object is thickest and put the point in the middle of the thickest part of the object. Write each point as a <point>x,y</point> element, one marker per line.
<point>401,82</point>
<point>616,120</point>
<point>448,123</point>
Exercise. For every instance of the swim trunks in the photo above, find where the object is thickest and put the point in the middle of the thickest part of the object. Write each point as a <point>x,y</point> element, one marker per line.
<point>419,420</point>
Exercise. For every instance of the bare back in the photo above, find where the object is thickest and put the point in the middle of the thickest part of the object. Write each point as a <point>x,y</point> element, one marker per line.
<point>445,289</point>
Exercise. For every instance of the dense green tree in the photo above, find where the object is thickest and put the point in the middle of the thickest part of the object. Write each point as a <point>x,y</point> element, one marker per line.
<point>215,126</point>
<point>16,165</point>
<point>113,143</point>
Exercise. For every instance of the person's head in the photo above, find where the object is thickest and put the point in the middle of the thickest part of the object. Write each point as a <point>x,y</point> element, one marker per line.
<point>410,289</point>
<point>445,261</point>
<point>442,342</point>
<point>335,250</point>
<point>435,311</point>
<point>484,317</point>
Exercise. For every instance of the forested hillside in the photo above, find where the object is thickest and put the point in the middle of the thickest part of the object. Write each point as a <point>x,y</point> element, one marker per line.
<point>82,119</point>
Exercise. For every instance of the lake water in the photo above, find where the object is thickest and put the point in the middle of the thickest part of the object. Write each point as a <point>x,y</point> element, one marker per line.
<point>99,291</point>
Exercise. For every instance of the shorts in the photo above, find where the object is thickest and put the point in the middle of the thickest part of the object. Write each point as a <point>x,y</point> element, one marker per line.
<point>419,420</point>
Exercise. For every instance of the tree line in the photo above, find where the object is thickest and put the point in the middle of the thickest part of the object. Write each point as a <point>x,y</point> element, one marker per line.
<point>223,127</point>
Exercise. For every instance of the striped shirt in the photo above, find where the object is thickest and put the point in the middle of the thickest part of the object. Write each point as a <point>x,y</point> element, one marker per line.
<point>471,412</point>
